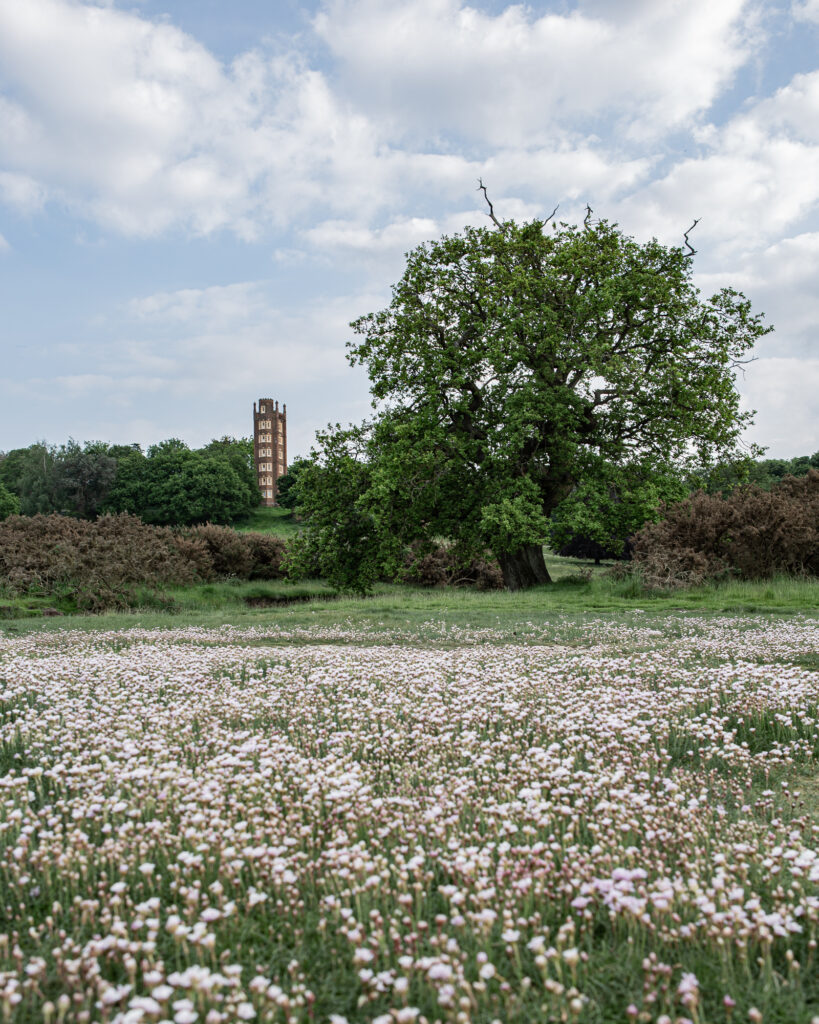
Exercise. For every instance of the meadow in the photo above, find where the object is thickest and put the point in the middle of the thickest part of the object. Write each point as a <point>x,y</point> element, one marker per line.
<point>469,812</point>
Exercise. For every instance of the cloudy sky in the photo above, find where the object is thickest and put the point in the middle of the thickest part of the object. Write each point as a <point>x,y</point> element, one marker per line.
<point>197,196</point>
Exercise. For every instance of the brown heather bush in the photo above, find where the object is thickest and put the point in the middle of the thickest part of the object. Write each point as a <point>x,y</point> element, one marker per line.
<point>747,534</point>
<point>245,556</point>
<point>108,562</point>
<point>229,553</point>
<point>439,567</point>
<point>98,564</point>
<point>267,555</point>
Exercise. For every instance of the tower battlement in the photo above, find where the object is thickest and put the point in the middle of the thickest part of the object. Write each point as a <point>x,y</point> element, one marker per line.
<point>269,446</point>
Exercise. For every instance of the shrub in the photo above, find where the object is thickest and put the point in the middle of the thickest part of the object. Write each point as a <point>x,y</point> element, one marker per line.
<point>748,533</point>
<point>246,556</point>
<point>229,554</point>
<point>439,566</point>
<point>267,554</point>
<point>100,564</point>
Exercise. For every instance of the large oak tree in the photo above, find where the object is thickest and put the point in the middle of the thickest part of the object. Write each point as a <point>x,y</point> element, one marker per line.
<point>514,362</point>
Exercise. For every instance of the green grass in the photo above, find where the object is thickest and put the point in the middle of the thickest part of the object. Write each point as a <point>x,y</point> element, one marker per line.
<point>277,521</point>
<point>403,609</point>
<point>242,594</point>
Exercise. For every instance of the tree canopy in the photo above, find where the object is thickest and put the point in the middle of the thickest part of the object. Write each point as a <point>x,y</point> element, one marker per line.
<point>514,364</point>
<point>174,485</point>
<point>170,485</point>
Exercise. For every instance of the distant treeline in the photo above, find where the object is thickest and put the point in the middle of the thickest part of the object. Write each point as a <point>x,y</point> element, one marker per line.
<point>598,518</point>
<point>170,484</point>
<point>764,473</point>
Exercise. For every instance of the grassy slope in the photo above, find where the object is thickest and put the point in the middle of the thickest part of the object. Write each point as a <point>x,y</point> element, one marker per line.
<point>277,521</point>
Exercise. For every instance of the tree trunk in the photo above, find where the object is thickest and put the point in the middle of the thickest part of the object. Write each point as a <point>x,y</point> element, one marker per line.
<point>524,568</point>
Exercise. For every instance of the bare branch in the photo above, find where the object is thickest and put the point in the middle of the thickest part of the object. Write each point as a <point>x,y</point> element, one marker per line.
<point>551,215</point>
<point>691,250</point>
<point>482,188</point>
<point>587,218</point>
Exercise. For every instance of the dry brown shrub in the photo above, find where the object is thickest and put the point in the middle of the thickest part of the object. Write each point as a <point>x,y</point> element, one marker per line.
<point>267,554</point>
<point>244,556</point>
<point>440,567</point>
<point>229,552</point>
<point>100,564</point>
<point>749,534</point>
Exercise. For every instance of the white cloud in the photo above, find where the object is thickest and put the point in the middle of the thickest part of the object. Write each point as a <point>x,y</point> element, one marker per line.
<point>518,78</point>
<point>755,178</point>
<point>806,10</point>
<point>784,393</point>
<point>22,192</point>
<point>217,306</point>
<point>137,125</point>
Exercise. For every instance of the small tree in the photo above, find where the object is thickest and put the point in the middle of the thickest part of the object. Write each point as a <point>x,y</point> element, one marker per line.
<point>344,543</point>
<point>83,476</point>
<point>287,493</point>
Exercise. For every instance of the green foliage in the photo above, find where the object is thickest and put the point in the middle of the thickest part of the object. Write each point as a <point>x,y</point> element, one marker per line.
<point>343,544</point>
<point>71,479</point>
<point>9,503</point>
<point>613,505</point>
<point>173,485</point>
<point>516,519</point>
<point>513,364</point>
<point>82,478</point>
<point>287,495</point>
<point>763,473</point>
<point>29,473</point>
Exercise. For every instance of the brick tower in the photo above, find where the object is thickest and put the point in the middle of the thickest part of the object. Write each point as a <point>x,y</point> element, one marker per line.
<point>269,446</point>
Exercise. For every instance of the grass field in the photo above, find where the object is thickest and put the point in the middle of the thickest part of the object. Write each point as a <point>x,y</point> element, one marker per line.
<point>278,521</point>
<point>424,807</point>
<point>395,607</point>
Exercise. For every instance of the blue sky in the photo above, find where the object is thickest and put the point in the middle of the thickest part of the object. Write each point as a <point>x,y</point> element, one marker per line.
<point>196,197</point>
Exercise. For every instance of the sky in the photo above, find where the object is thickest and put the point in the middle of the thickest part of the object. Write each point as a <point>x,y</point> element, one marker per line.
<point>197,196</point>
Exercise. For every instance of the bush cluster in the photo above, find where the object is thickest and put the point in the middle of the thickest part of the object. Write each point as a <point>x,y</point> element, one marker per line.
<point>439,566</point>
<point>105,563</point>
<point>748,533</point>
<point>246,556</point>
